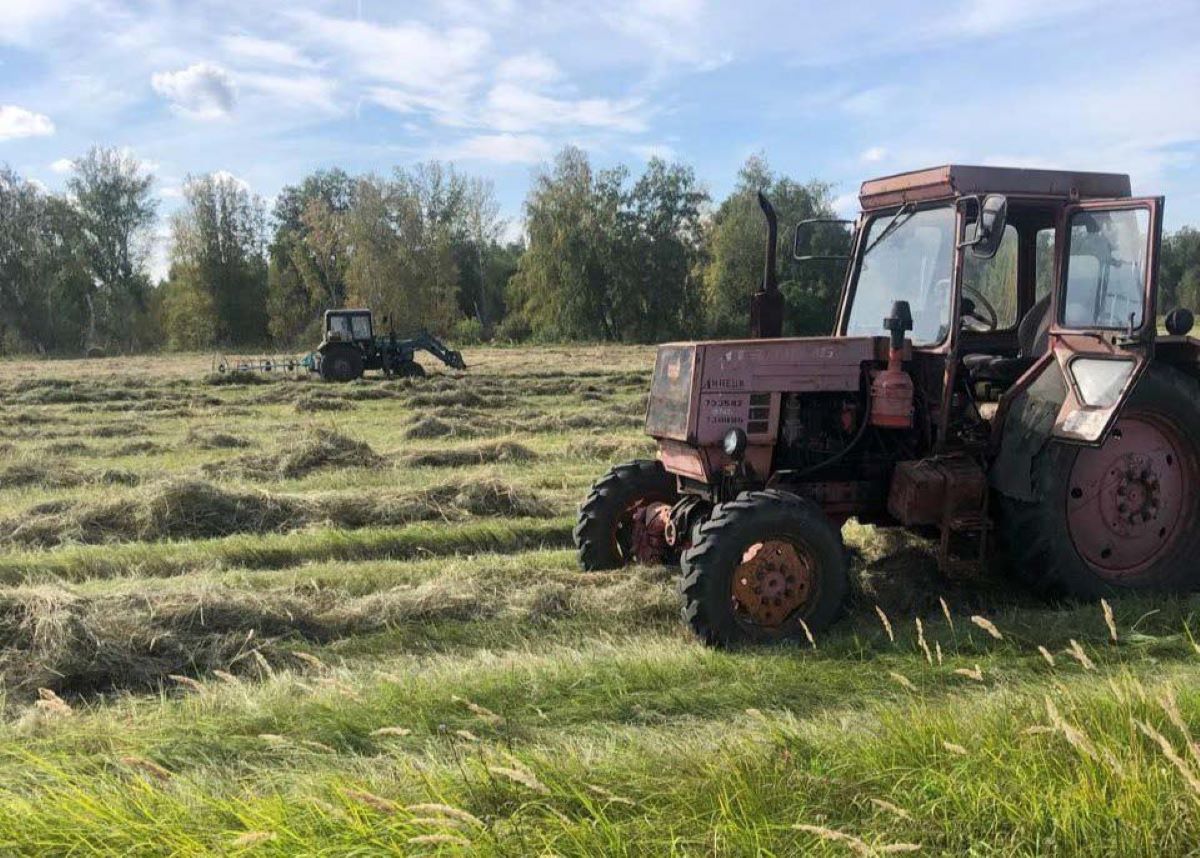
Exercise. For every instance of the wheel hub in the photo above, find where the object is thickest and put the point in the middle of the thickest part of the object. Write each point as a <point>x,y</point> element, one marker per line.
<point>772,582</point>
<point>1125,500</point>
<point>648,531</point>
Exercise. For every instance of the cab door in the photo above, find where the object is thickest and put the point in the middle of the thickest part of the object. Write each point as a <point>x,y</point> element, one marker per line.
<point>1104,309</point>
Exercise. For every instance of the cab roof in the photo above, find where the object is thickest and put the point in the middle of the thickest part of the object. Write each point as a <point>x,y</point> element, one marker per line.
<point>955,180</point>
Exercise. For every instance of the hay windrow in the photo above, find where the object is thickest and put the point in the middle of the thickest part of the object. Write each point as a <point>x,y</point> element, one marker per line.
<point>202,439</point>
<point>320,449</point>
<point>483,454</point>
<point>194,509</point>
<point>77,646</point>
<point>53,474</point>
<point>313,403</point>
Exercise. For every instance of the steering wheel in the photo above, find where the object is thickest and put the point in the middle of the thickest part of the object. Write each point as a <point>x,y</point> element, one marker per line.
<point>989,322</point>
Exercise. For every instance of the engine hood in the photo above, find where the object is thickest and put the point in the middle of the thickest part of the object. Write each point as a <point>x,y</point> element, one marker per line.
<point>702,390</point>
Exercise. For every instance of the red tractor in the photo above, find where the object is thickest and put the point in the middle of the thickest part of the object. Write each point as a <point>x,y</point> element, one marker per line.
<point>996,379</point>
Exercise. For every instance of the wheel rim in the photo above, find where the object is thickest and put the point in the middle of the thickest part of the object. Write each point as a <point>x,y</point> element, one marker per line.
<point>775,579</point>
<point>1127,501</point>
<point>639,532</point>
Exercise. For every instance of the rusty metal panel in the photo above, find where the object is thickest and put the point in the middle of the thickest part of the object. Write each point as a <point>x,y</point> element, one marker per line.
<point>959,180</point>
<point>933,491</point>
<point>740,380</point>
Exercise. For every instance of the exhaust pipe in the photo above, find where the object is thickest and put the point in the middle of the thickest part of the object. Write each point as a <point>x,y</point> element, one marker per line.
<point>766,305</point>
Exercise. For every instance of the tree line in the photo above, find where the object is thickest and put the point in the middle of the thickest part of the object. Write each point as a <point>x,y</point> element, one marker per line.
<point>605,255</point>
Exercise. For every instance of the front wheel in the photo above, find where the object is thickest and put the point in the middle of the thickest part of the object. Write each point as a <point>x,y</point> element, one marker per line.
<point>1120,517</point>
<point>763,568</point>
<point>624,517</point>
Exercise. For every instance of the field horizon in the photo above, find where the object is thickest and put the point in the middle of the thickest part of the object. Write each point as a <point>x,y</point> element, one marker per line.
<point>274,617</point>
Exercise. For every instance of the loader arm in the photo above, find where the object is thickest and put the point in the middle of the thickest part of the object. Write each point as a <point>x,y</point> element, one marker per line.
<point>439,350</point>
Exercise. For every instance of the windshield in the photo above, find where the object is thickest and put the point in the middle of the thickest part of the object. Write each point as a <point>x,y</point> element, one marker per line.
<point>908,261</point>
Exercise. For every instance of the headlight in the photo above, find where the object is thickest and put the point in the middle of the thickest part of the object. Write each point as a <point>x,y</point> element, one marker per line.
<point>734,444</point>
<point>1100,380</point>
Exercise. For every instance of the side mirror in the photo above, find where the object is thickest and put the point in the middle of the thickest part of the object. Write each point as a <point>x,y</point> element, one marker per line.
<point>986,233</point>
<point>817,237</point>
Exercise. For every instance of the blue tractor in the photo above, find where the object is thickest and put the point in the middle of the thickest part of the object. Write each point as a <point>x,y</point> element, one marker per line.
<point>350,347</point>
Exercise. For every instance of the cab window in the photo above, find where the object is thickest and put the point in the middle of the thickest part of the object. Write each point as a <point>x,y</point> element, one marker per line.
<point>994,281</point>
<point>1106,269</point>
<point>362,326</point>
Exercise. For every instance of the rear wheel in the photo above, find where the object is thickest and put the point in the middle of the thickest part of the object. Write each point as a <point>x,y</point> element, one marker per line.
<point>761,569</point>
<point>624,517</point>
<point>1120,517</point>
<point>342,364</point>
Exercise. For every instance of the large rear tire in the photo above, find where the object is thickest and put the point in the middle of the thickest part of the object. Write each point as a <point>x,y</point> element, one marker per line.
<point>612,523</point>
<point>762,568</point>
<point>341,364</point>
<point>1121,517</point>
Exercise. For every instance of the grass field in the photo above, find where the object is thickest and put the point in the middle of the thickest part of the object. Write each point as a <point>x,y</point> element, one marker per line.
<point>290,618</point>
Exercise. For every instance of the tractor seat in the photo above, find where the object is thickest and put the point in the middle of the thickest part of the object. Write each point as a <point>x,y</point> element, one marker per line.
<point>1033,338</point>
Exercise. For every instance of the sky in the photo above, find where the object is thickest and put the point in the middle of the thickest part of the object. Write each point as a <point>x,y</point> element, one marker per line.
<point>270,91</point>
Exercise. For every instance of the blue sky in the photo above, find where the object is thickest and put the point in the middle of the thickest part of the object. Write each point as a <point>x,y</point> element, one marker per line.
<point>268,91</point>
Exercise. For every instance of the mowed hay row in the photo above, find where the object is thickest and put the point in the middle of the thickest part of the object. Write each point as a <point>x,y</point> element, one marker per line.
<point>480,454</point>
<point>318,449</point>
<point>195,509</point>
<point>83,644</point>
<point>51,474</point>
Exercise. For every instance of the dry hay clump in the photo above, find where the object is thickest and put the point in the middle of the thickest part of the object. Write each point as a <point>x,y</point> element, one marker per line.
<point>59,391</point>
<point>194,509</point>
<point>57,475</point>
<point>75,645</point>
<point>483,454</point>
<point>463,397</point>
<point>201,439</point>
<point>236,377</point>
<point>320,449</point>
<point>138,448</point>
<point>315,402</point>
<point>122,429</point>
<point>432,427</point>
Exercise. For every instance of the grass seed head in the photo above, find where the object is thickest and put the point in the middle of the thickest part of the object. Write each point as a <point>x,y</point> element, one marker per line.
<point>903,680</point>
<point>1109,620</point>
<point>372,801</point>
<point>1080,656</point>
<point>521,776</point>
<point>252,838</point>
<point>1046,655</point>
<point>391,731</point>
<point>447,811</point>
<point>971,673</point>
<point>954,748</point>
<point>439,839</point>
<point>988,626</point>
<point>887,624</point>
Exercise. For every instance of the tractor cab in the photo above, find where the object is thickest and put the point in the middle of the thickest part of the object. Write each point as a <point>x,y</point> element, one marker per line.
<point>1003,269</point>
<point>349,326</point>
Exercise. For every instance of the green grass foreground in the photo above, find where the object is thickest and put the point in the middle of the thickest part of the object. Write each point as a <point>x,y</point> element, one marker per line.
<point>450,684</point>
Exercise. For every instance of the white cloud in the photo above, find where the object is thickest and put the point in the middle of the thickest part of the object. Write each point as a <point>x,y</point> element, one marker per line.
<point>20,20</point>
<point>17,122</point>
<point>874,154</point>
<point>514,108</point>
<point>532,67</point>
<point>226,176</point>
<point>202,90</point>
<point>295,91</point>
<point>266,51</point>
<point>418,66</point>
<point>62,166</point>
<point>503,149</point>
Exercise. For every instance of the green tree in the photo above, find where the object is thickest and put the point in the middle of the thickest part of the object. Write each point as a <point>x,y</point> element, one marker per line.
<point>111,192</point>
<point>735,240</point>
<point>606,261</point>
<point>217,287</point>
<point>309,252</point>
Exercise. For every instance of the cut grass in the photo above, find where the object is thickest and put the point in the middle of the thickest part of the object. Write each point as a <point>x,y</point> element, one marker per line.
<point>456,679</point>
